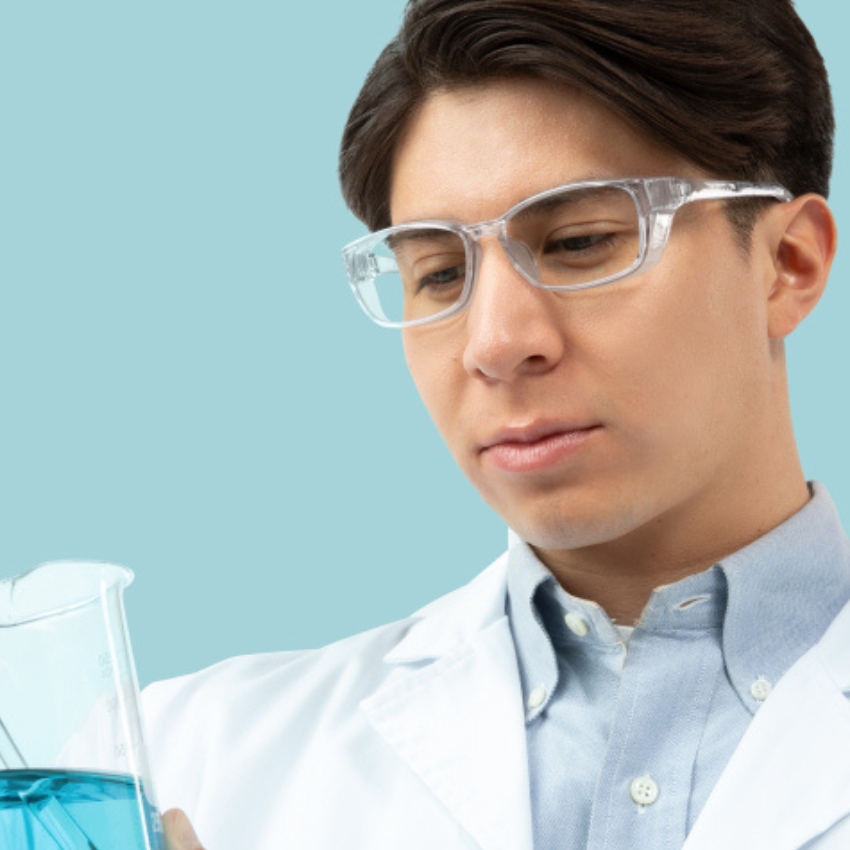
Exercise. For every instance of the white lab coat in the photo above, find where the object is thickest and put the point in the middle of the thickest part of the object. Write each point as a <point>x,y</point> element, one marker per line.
<point>412,736</point>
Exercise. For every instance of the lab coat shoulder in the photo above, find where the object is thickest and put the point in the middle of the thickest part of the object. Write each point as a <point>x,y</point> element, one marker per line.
<point>309,746</point>
<point>340,673</point>
<point>208,727</point>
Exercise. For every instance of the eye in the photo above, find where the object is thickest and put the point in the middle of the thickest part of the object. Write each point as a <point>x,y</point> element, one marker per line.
<point>576,244</point>
<point>442,277</point>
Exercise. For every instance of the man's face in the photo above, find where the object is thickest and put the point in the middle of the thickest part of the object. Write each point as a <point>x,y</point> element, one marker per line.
<point>583,417</point>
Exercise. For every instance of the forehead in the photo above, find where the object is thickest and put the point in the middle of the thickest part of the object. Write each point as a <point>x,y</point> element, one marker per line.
<point>470,154</point>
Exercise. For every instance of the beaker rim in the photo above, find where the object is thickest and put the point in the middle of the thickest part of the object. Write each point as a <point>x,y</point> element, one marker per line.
<point>57,587</point>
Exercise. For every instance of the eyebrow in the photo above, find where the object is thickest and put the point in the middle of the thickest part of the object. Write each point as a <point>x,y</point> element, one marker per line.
<point>546,205</point>
<point>414,233</point>
<point>543,206</point>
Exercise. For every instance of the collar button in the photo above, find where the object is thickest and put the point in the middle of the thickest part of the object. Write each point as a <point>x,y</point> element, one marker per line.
<point>576,624</point>
<point>760,689</point>
<point>536,698</point>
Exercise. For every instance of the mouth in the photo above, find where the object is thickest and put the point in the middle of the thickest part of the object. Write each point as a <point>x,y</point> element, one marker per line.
<point>536,447</point>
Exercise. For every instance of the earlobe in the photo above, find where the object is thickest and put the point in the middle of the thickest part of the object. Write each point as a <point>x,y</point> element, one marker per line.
<point>803,256</point>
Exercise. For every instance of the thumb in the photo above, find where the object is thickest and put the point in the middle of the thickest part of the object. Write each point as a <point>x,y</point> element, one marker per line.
<point>179,834</point>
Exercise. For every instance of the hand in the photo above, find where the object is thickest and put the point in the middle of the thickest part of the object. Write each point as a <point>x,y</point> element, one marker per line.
<point>179,834</point>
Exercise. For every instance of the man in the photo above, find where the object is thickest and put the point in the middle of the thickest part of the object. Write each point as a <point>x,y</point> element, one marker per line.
<point>595,223</point>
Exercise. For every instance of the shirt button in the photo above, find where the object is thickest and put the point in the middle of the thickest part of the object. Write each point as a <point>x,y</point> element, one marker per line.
<point>643,791</point>
<point>576,625</point>
<point>536,698</point>
<point>760,689</point>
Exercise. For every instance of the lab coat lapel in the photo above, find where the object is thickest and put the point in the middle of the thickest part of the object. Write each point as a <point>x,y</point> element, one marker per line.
<point>789,779</point>
<point>452,710</point>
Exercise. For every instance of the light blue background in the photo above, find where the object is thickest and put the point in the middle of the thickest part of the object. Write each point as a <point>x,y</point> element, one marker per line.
<point>188,387</point>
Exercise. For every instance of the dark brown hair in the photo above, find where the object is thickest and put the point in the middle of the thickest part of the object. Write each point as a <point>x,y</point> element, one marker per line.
<point>737,87</point>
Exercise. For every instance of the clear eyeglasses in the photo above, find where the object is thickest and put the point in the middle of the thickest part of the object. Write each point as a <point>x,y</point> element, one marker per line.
<point>573,237</point>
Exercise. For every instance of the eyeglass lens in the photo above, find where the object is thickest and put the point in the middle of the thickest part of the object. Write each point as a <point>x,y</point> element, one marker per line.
<point>573,238</point>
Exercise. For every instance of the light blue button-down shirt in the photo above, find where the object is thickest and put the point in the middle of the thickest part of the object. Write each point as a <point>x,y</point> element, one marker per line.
<point>625,743</point>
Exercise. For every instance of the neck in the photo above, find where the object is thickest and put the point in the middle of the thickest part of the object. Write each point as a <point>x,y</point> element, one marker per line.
<point>621,574</point>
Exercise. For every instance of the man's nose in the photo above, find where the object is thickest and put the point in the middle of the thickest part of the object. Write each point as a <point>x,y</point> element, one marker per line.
<point>512,327</point>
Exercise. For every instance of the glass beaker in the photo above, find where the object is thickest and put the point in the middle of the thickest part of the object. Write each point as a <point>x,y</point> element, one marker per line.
<point>73,769</point>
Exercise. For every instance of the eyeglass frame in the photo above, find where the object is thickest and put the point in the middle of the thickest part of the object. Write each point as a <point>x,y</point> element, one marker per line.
<point>656,200</point>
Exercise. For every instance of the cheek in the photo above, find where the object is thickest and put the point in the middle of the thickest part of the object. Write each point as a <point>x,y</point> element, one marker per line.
<point>686,350</point>
<point>435,366</point>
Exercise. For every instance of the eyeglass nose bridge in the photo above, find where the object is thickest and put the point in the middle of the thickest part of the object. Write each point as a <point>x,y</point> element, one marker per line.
<point>519,254</point>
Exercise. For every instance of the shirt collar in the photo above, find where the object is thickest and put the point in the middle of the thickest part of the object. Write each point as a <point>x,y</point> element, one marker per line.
<point>538,665</point>
<point>783,591</point>
<point>773,600</point>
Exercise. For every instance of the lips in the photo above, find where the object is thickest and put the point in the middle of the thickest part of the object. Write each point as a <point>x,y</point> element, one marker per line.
<point>534,433</point>
<point>538,446</point>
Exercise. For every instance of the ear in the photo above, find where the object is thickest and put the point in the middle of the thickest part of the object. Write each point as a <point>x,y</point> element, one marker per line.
<point>804,240</point>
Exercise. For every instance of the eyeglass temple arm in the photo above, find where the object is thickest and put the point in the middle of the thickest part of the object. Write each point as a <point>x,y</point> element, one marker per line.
<point>666,195</point>
<point>706,190</point>
<point>368,266</point>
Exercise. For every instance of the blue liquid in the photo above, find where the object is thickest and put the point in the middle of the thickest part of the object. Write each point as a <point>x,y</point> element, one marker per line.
<point>59,810</point>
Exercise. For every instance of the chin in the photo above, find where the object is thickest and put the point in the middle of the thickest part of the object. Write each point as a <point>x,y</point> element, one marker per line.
<point>572,529</point>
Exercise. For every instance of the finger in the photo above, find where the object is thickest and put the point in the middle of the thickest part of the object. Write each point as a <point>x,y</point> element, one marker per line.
<point>179,834</point>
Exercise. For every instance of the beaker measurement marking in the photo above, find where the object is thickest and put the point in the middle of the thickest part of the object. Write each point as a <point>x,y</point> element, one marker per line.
<point>104,662</point>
